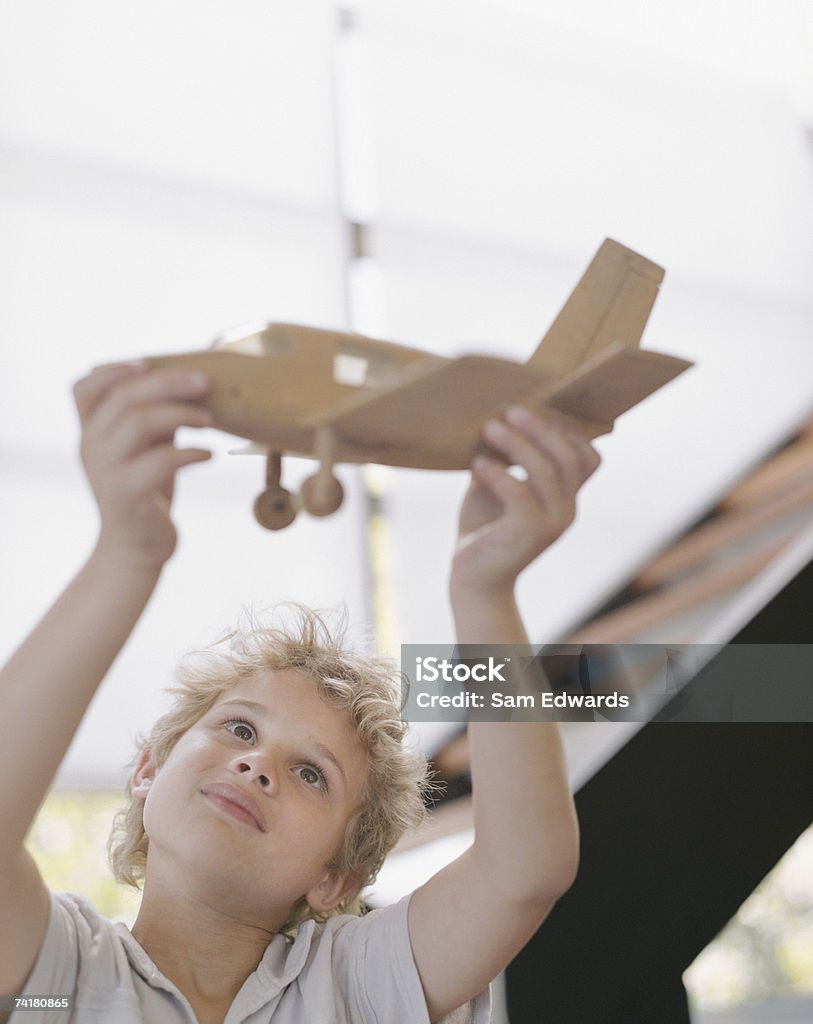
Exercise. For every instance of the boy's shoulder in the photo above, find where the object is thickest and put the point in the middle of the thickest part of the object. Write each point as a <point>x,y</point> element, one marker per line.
<point>346,968</point>
<point>376,962</point>
<point>85,955</point>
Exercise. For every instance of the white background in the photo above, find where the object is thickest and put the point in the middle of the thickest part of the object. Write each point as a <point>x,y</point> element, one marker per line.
<point>168,171</point>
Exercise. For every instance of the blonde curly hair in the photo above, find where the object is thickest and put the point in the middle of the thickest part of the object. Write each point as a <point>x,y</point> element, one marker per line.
<point>366,686</point>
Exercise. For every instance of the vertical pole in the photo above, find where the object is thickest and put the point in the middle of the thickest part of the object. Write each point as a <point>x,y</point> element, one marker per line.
<point>356,203</point>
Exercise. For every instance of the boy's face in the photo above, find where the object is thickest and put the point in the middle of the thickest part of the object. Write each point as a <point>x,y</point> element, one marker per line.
<point>257,795</point>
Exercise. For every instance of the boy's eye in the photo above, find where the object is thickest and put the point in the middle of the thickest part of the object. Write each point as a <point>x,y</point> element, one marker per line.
<point>242,730</point>
<point>313,776</point>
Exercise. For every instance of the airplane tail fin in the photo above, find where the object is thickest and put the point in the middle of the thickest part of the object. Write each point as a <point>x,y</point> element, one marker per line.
<point>610,304</point>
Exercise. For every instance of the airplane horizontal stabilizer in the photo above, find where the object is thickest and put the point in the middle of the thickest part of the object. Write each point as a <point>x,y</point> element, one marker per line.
<point>614,382</point>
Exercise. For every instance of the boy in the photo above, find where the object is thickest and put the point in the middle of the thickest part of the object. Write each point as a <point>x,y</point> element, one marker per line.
<point>247,816</point>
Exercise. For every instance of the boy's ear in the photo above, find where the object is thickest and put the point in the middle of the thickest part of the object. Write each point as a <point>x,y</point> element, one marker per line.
<point>330,892</point>
<point>143,775</point>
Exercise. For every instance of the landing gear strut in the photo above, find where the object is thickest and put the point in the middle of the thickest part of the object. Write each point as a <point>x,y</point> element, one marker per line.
<point>322,493</point>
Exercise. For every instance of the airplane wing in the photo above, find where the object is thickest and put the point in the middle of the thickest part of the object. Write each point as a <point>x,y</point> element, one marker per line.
<point>430,416</point>
<point>611,303</point>
<point>433,419</point>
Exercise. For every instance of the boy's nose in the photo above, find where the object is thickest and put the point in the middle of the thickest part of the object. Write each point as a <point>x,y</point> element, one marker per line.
<point>255,769</point>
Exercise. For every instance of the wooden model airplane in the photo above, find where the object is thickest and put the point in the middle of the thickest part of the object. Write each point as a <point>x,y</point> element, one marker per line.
<point>341,397</point>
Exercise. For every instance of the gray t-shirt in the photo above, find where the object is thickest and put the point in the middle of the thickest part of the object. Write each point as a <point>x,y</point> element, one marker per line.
<point>350,970</point>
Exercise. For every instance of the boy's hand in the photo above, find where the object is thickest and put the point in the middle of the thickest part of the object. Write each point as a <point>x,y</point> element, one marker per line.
<point>505,523</point>
<point>129,416</point>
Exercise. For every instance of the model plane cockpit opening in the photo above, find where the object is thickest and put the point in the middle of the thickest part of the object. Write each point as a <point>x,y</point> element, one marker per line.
<point>350,369</point>
<point>337,397</point>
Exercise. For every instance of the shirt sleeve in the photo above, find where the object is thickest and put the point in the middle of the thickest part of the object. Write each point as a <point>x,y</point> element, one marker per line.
<point>383,980</point>
<point>81,956</point>
<point>56,970</point>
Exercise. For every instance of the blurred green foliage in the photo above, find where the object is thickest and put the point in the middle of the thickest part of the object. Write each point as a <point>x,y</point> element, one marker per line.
<point>69,843</point>
<point>767,948</point>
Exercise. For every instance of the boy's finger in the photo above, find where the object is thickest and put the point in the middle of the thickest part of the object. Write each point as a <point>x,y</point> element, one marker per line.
<point>585,457</point>
<point>510,492</point>
<point>152,386</point>
<point>139,364</point>
<point>578,434</point>
<point>91,389</point>
<point>550,443</point>
<point>157,468</point>
<point>576,458</point>
<point>591,460</point>
<point>148,424</point>
<point>559,420</point>
<point>545,475</point>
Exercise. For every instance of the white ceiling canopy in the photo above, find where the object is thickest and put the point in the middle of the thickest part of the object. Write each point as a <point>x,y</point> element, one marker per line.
<point>169,171</point>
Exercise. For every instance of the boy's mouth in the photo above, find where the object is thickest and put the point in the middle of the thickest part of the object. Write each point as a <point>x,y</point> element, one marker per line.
<point>236,803</point>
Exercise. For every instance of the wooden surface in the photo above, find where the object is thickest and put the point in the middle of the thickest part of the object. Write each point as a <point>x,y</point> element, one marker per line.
<point>721,533</point>
<point>639,617</point>
<point>786,471</point>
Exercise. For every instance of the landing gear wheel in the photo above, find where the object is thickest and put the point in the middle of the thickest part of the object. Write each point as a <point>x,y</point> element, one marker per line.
<point>274,509</point>
<point>321,494</point>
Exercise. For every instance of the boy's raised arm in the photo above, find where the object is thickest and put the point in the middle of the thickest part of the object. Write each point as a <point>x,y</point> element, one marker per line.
<point>470,920</point>
<point>129,416</point>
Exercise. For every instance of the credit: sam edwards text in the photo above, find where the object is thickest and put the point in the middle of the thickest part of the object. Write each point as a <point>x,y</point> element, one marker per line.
<point>543,699</point>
